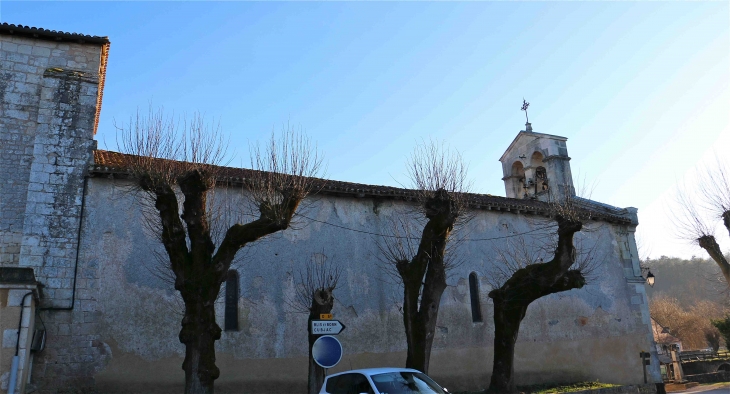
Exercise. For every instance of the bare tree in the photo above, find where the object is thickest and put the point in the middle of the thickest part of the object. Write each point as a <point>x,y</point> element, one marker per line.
<point>691,217</point>
<point>692,325</point>
<point>420,263</point>
<point>175,166</point>
<point>315,296</point>
<point>524,276</point>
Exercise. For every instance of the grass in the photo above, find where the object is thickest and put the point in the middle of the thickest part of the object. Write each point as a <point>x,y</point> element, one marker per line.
<point>555,388</point>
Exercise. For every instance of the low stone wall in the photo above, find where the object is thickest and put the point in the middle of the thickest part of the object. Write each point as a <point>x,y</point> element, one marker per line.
<point>709,377</point>
<point>703,366</point>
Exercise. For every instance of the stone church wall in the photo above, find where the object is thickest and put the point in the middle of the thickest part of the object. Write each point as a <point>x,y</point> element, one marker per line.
<point>49,92</point>
<point>48,106</point>
<point>131,314</point>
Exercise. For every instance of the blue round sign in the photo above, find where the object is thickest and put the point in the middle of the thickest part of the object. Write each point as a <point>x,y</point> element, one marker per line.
<point>327,351</point>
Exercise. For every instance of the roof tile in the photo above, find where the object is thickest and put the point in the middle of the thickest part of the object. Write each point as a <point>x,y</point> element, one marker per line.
<point>108,162</point>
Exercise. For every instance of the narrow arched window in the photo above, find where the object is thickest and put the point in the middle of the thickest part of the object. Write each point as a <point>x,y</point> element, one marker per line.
<point>476,309</point>
<point>231,316</point>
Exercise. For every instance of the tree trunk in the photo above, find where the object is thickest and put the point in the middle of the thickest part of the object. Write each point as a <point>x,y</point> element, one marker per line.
<point>424,280</point>
<point>423,321</point>
<point>522,288</point>
<point>199,333</point>
<point>507,321</point>
<point>709,244</point>
<point>199,269</point>
<point>322,302</point>
<point>416,341</point>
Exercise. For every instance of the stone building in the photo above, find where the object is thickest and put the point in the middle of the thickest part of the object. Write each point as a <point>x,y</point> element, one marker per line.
<point>73,236</point>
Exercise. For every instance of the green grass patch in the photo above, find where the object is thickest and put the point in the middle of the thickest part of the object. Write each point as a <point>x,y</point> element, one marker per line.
<point>567,388</point>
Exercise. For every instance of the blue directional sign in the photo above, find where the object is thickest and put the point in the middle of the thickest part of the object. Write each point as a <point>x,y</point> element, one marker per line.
<point>327,351</point>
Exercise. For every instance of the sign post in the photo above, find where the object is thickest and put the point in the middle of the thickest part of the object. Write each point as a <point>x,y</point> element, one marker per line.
<point>645,360</point>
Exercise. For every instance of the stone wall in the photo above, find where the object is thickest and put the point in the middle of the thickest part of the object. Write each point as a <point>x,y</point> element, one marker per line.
<point>714,377</point>
<point>131,314</point>
<point>704,366</point>
<point>49,92</point>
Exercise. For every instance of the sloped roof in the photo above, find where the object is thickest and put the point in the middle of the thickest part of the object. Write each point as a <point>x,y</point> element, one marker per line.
<point>529,134</point>
<point>53,35</point>
<point>108,162</point>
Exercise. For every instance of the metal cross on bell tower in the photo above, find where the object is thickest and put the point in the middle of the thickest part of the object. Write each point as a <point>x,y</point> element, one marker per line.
<point>525,104</point>
<point>528,126</point>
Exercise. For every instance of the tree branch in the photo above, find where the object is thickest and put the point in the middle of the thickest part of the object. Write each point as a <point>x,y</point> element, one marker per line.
<point>173,232</point>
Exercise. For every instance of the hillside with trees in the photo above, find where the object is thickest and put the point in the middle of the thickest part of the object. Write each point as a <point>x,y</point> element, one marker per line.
<point>687,296</point>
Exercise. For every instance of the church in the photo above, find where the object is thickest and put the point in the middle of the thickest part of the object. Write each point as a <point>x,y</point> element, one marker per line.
<point>83,307</point>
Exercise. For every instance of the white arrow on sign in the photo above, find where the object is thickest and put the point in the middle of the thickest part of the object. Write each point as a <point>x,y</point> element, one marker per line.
<point>327,327</point>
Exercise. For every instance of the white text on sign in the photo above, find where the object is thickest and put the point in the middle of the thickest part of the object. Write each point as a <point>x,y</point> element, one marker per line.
<point>327,327</point>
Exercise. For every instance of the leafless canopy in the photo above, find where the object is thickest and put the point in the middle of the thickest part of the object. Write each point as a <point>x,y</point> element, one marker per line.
<point>318,278</point>
<point>692,218</point>
<point>433,167</point>
<point>402,245</point>
<point>714,188</point>
<point>284,169</point>
<point>689,220</point>
<point>162,148</point>
<point>518,252</point>
<point>692,325</point>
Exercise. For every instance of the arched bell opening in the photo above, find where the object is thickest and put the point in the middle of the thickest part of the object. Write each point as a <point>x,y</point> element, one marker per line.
<point>517,176</point>
<point>541,179</point>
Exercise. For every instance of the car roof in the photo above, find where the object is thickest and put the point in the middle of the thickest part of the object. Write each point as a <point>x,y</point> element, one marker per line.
<point>375,371</point>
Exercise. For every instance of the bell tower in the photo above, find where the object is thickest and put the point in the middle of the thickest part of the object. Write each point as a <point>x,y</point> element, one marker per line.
<point>537,165</point>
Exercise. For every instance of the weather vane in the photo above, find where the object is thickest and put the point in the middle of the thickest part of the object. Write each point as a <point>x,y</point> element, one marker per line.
<point>525,104</point>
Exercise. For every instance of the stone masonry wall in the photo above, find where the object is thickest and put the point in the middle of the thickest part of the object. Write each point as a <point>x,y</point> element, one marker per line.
<point>131,337</point>
<point>49,95</point>
<point>49,91</point>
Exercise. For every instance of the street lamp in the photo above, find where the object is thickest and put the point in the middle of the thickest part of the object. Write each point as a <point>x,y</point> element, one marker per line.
<point>650,279</point>
<point>649,276</point>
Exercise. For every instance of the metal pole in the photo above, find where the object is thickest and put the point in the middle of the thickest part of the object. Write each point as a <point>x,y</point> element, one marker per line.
<point>13,375</point>
<point>16,359</point>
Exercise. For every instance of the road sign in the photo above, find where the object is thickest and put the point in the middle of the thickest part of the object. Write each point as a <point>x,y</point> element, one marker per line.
<point>327,351</point>
<point>325,316</point>
<point>327,327</point>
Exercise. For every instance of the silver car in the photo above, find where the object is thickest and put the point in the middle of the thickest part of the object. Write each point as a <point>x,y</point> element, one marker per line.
<point>381,381</point>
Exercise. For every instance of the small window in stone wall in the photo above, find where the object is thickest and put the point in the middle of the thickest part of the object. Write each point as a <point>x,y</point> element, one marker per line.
<point>231,313</point>
<point>476,308</point>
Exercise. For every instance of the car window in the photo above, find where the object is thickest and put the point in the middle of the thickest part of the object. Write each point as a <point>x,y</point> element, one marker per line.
<point>405,383</point>
<point>349,383</point>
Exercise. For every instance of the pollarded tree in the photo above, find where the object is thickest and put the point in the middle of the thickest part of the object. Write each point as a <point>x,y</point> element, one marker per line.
<point>420,263</point>
<point>713,198</point>
<point>523,276</point>
<point>315,296</point>
<point>176,170</point>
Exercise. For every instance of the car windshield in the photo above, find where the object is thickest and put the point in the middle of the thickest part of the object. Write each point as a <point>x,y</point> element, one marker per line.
<point>405,383</point>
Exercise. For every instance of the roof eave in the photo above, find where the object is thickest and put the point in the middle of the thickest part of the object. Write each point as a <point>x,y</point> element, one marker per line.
<point>52,35</point>
<point>530,133</point>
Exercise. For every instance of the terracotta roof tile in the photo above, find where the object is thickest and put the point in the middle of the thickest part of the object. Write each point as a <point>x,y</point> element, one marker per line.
<point>53,35</point>
<point>108,162</point>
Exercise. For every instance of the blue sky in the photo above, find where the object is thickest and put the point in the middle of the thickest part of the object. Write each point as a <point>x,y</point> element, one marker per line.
<point>641,89</point>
